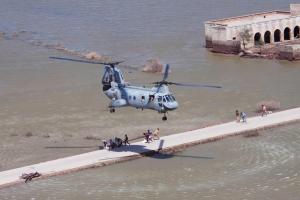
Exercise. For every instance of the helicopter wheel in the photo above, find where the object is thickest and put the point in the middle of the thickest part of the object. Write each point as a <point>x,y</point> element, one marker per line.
<point>164,118</point>
<point>112,110</point>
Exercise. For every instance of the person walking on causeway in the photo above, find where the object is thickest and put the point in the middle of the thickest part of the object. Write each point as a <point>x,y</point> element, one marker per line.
<point>126,141</point>
<point>237,116</point>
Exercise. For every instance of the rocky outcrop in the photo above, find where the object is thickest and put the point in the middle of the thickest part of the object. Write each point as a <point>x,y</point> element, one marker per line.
<point>284,51</point>
<point>94,56</point>
<point>152,65</point>
<point>271,105</point>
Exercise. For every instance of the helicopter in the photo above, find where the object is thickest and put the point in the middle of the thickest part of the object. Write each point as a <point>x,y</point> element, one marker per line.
<point>122,94</point>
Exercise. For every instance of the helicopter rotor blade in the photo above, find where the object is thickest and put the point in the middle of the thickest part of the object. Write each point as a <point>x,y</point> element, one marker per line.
<point>112,64</point>
<point>157,82</point>
<point>166,73</point>
<point>75,60</point>
<point>158,88</point>
<point>160,83</point>
<point>194,85</point>
<point>163,81</point>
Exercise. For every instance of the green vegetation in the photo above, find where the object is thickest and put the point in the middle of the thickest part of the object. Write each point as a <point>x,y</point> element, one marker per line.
<point>245,36</point>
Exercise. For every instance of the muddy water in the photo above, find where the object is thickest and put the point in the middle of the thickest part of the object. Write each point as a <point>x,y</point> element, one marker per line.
<point>48,108</point>
<point>263,167</point>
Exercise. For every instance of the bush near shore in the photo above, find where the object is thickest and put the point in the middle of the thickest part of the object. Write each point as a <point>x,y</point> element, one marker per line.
<point>271,105</point>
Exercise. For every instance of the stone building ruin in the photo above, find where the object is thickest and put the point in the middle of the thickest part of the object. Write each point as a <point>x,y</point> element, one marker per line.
<point>224,35</point>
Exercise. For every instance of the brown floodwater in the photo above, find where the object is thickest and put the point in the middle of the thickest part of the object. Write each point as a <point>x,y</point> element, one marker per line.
<point>51,109</point>
<point>61,103</point>
<point>262,167</point>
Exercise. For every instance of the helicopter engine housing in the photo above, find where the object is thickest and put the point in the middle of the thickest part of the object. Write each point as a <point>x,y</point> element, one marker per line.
<point>113,93</point>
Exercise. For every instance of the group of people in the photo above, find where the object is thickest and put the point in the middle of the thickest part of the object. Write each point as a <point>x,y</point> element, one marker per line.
<point>116,142</point>
<point>151,136</point>
<point>242,115</point>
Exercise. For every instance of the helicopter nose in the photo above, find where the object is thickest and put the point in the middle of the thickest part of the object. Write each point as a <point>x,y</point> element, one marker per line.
<point>171,105</point>
<point>175,104</point>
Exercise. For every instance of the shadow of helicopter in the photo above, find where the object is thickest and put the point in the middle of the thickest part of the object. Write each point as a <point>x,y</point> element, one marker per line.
<point>140,149</point>
<point>71,147</point>
<point>157,154</point>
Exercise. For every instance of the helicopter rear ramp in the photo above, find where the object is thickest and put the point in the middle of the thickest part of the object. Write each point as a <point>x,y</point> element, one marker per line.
<point>139,149</point>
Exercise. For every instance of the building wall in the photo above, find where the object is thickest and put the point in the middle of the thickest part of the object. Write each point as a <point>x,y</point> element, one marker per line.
<point>289,52</point>
<point>221,43</point>
<point>208,35</point>
<point>221,35</point>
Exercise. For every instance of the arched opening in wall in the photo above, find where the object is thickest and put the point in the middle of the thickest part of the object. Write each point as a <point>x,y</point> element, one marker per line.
<point>277,34</point>
<point>267,37</point>
<point>287,33</point>
<point>257,38</point>
<point>296,32</point>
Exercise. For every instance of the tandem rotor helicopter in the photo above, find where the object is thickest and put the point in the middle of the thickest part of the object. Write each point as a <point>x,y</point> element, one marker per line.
<point>123,94</point>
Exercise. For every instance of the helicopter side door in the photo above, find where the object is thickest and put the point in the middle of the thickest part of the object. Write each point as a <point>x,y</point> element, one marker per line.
<point>144,99</point>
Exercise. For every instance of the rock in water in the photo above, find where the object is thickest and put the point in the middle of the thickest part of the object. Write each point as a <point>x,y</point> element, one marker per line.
<point>153,65</point>
<point>93,56</point>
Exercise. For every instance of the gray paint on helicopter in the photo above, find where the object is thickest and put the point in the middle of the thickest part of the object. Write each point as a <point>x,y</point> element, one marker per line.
<point>123,94</point>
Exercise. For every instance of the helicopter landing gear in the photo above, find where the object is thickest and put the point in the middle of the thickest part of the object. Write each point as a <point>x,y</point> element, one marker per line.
<point>164,118</point>
<point>112,110</point>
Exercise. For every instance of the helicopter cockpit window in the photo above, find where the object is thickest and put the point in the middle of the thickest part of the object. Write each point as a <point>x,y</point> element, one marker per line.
<point>173,97</point>
<point>159,98</point>
<point>167,97</point>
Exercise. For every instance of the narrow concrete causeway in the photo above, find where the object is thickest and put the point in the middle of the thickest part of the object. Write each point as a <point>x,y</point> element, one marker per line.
<point>136,150</point>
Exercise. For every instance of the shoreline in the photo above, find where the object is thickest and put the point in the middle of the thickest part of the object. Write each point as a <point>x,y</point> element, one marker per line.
<point>167,144</point>
<point>287,50</point>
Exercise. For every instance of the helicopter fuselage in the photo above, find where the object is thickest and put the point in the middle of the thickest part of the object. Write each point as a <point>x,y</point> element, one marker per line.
<point>122,94</point>
<point>141,97</point>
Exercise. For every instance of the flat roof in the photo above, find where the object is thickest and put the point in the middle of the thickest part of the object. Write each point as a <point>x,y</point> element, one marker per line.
<point>252,18</point>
